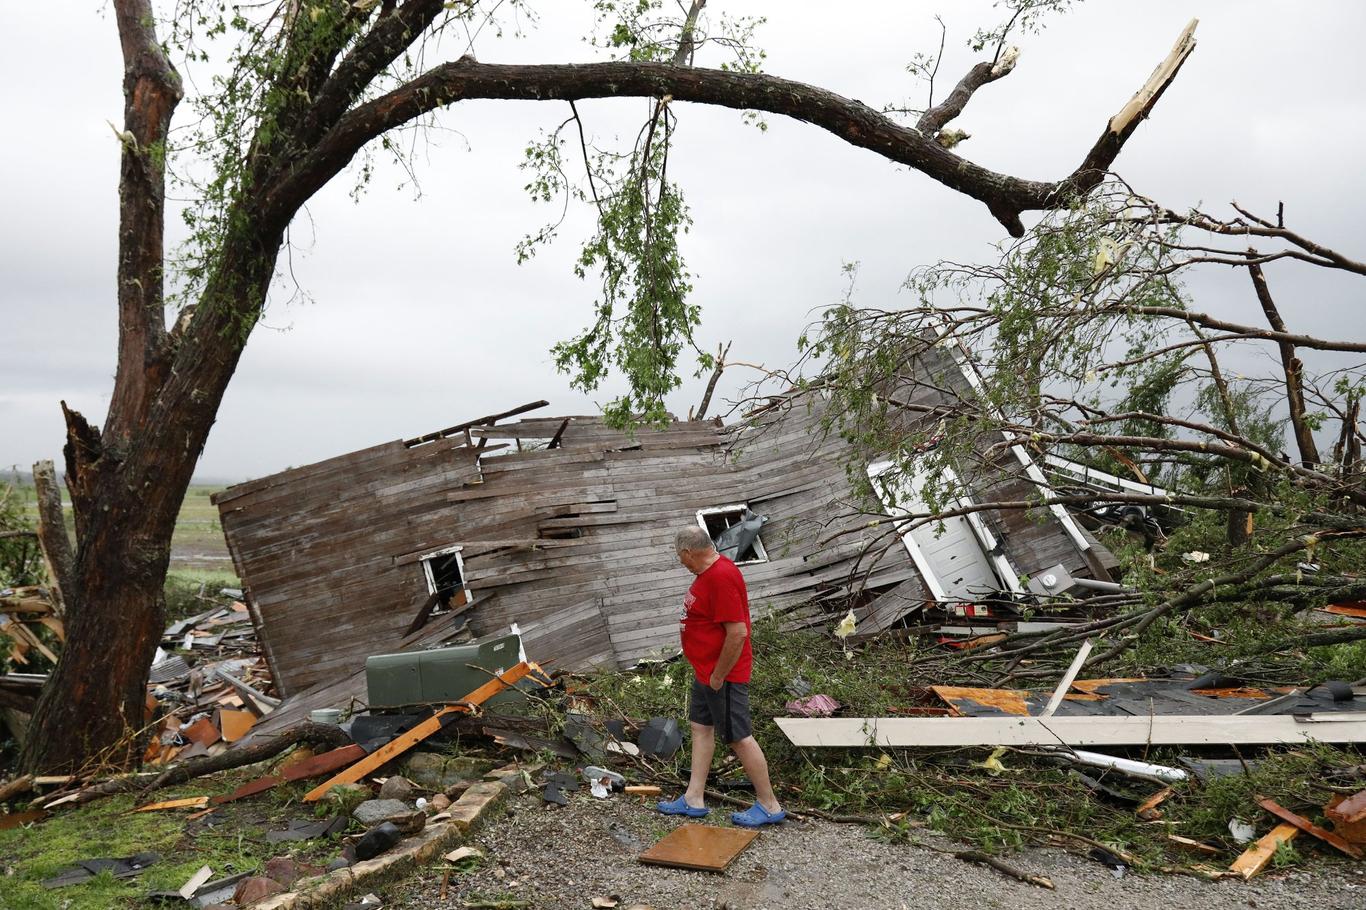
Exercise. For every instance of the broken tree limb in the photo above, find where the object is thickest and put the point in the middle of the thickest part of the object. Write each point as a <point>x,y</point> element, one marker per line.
<point>1142,101</point>
<point>711,383</point>
<point>1000,865</point>
<point>15,787</point>
<point>52,536</point>
<point>306,732</point>
<point>1318,639</point>
<point>1291,366</point>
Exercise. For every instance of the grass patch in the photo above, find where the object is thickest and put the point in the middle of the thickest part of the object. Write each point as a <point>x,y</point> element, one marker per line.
<point>107,828</point>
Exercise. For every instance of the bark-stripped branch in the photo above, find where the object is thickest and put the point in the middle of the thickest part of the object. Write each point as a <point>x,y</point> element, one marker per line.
<point>1293,368</point>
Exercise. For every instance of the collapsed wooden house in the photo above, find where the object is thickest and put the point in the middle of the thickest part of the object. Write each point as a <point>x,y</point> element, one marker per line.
<point>565,527</point>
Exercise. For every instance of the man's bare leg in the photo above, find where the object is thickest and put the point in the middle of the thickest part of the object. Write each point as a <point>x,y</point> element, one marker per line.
<point>703,746</point>
<point>756,766</point>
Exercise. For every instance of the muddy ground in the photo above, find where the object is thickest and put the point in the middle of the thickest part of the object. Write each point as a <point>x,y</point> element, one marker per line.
<point>564,857</point>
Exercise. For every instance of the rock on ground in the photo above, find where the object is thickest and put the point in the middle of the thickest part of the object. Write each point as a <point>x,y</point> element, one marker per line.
<point>564,857</point>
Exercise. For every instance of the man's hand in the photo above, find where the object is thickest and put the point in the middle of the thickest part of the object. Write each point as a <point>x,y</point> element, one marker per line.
<point>730,653</point>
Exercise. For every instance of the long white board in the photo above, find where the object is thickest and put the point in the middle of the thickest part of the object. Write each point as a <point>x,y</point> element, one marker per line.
<point>1195,729</point>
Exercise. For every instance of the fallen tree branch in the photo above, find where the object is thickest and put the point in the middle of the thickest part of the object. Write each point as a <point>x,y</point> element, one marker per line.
<point>305,732</point>
<point>1000,865</point>
<point>1317,640</point>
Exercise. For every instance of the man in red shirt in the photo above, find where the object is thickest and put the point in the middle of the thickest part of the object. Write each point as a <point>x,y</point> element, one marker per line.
<point>716,642</point>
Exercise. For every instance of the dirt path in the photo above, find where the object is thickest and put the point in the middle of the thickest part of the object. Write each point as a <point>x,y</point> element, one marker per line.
<point>562,858</point>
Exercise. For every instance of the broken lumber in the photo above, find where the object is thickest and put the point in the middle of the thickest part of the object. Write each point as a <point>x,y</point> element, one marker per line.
<point>1309,827</point>
<point>420,732</point>
<point>1255,858</point>
<point>1148,810</point>
<point>189,802</point>
<point>1350,810</point>
<point>310,767</point>
<point>1172,729</point>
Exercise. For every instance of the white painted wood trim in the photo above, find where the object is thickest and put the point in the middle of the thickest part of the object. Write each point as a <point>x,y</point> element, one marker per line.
<point>424,561</point>
<point>922,565</point>
<point>965,366</point>
<point>1067,678</point>
<point>1086,472</point>
<point>1158,730</point>
<point>1000,560</point>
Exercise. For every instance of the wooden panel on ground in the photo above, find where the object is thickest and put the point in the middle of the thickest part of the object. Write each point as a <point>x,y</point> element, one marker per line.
<point>703,847</point>
<point>1159,730</point>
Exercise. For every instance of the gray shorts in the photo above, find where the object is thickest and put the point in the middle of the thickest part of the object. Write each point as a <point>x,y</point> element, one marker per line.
<point>727,710</point>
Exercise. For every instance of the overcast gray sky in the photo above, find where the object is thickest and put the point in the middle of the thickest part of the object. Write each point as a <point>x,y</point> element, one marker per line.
<point>419,316</point>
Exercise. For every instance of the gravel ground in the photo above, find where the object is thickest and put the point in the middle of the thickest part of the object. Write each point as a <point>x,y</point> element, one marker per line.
<point>564,857</point>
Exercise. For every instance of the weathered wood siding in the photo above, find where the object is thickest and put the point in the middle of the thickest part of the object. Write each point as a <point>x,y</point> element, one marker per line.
<point>575,544</point>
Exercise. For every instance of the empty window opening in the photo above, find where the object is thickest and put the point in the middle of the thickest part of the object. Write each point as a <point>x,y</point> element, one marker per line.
<point>445,572</point>
<point>734,530</point>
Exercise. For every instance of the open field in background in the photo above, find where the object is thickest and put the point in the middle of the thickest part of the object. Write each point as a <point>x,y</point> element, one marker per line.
<point>198,550</point>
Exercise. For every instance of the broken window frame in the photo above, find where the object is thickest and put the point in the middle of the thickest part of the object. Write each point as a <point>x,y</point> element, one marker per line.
<point>425,560</point>
<point>760,554</point>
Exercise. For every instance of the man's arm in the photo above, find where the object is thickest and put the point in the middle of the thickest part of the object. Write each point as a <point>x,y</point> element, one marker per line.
<point>730,653</point>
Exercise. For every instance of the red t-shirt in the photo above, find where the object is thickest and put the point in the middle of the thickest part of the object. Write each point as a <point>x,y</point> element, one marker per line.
<point>717,596</point>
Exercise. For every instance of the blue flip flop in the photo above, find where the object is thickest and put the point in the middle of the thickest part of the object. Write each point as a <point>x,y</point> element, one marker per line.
<point>680,807</point>
<point>757,816</point>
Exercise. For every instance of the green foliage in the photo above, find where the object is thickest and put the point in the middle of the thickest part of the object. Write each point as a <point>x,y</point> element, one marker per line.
<point>1025,17</point>
<point>21,560</point>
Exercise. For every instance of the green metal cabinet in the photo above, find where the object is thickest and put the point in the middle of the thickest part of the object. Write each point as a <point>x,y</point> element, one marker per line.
<point>446,674</point>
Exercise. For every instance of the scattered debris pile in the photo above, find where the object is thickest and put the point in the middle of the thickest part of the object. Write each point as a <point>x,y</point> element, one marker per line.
<point>24,613</point>
<point>203,708</point>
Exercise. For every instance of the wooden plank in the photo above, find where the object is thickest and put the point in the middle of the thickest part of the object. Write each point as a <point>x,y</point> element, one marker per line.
<point>251,788</point>
<point>191,802</point>
<point>1255,858</point>
<point>1076,731</point>
<point>301,770</point>
<point>1309,827</point>
<point>1067,678</point>
<point>420,732</point>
